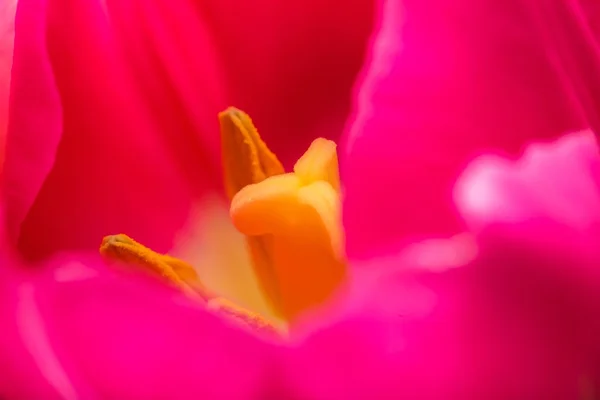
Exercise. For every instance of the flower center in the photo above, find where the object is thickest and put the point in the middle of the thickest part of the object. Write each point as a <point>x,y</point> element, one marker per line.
<point>291,222</point>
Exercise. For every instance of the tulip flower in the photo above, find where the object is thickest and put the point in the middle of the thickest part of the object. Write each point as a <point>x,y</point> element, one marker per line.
<point>483,314</point>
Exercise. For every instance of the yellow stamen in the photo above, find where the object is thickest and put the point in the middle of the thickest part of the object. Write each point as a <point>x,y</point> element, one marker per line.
<point>123,248</point>
<point>246,158</point>
<point>291,222</point>
<point>299,214</point>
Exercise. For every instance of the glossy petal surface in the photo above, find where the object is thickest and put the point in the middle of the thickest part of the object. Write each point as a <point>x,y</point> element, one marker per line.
<point>448,80</point>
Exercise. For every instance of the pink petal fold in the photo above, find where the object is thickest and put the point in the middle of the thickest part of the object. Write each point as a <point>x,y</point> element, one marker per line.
<point>31,154</point>
<point>127,143</point>
<point>448,80</point>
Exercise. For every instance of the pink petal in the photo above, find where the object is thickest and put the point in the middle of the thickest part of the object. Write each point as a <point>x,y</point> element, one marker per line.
<point>507,312</point>
<point>7,34</point>
<point>471,331</point>
<point>133,128</point>
<point>80,331</point>
<point>448,80</point>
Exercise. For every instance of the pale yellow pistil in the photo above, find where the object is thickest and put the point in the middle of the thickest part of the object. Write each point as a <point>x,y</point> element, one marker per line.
<point>291,222</point>
<point>296,218</point>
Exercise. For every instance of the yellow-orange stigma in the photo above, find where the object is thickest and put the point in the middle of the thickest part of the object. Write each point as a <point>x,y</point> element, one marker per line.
<point>291,222</point>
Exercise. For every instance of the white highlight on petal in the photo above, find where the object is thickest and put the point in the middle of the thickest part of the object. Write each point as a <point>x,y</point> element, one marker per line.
<point>557,181</point>
<point>480,192</point>
<point>35,338</point>
<point>440,254</point>
<point>384,48</point>
<point>443,254</point>
<point>74,271</point>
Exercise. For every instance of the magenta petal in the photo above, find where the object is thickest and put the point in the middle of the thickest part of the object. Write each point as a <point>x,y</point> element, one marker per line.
<point>476,331</point>
<point>447,80</point>
<point>548,201</point>
<point>80,331</point>
<point>513,315</point>
<point>125,136</point>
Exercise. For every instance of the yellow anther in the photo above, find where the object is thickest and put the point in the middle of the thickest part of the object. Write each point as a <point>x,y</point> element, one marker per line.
<point>246,158</point>
<point>123,248</point>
